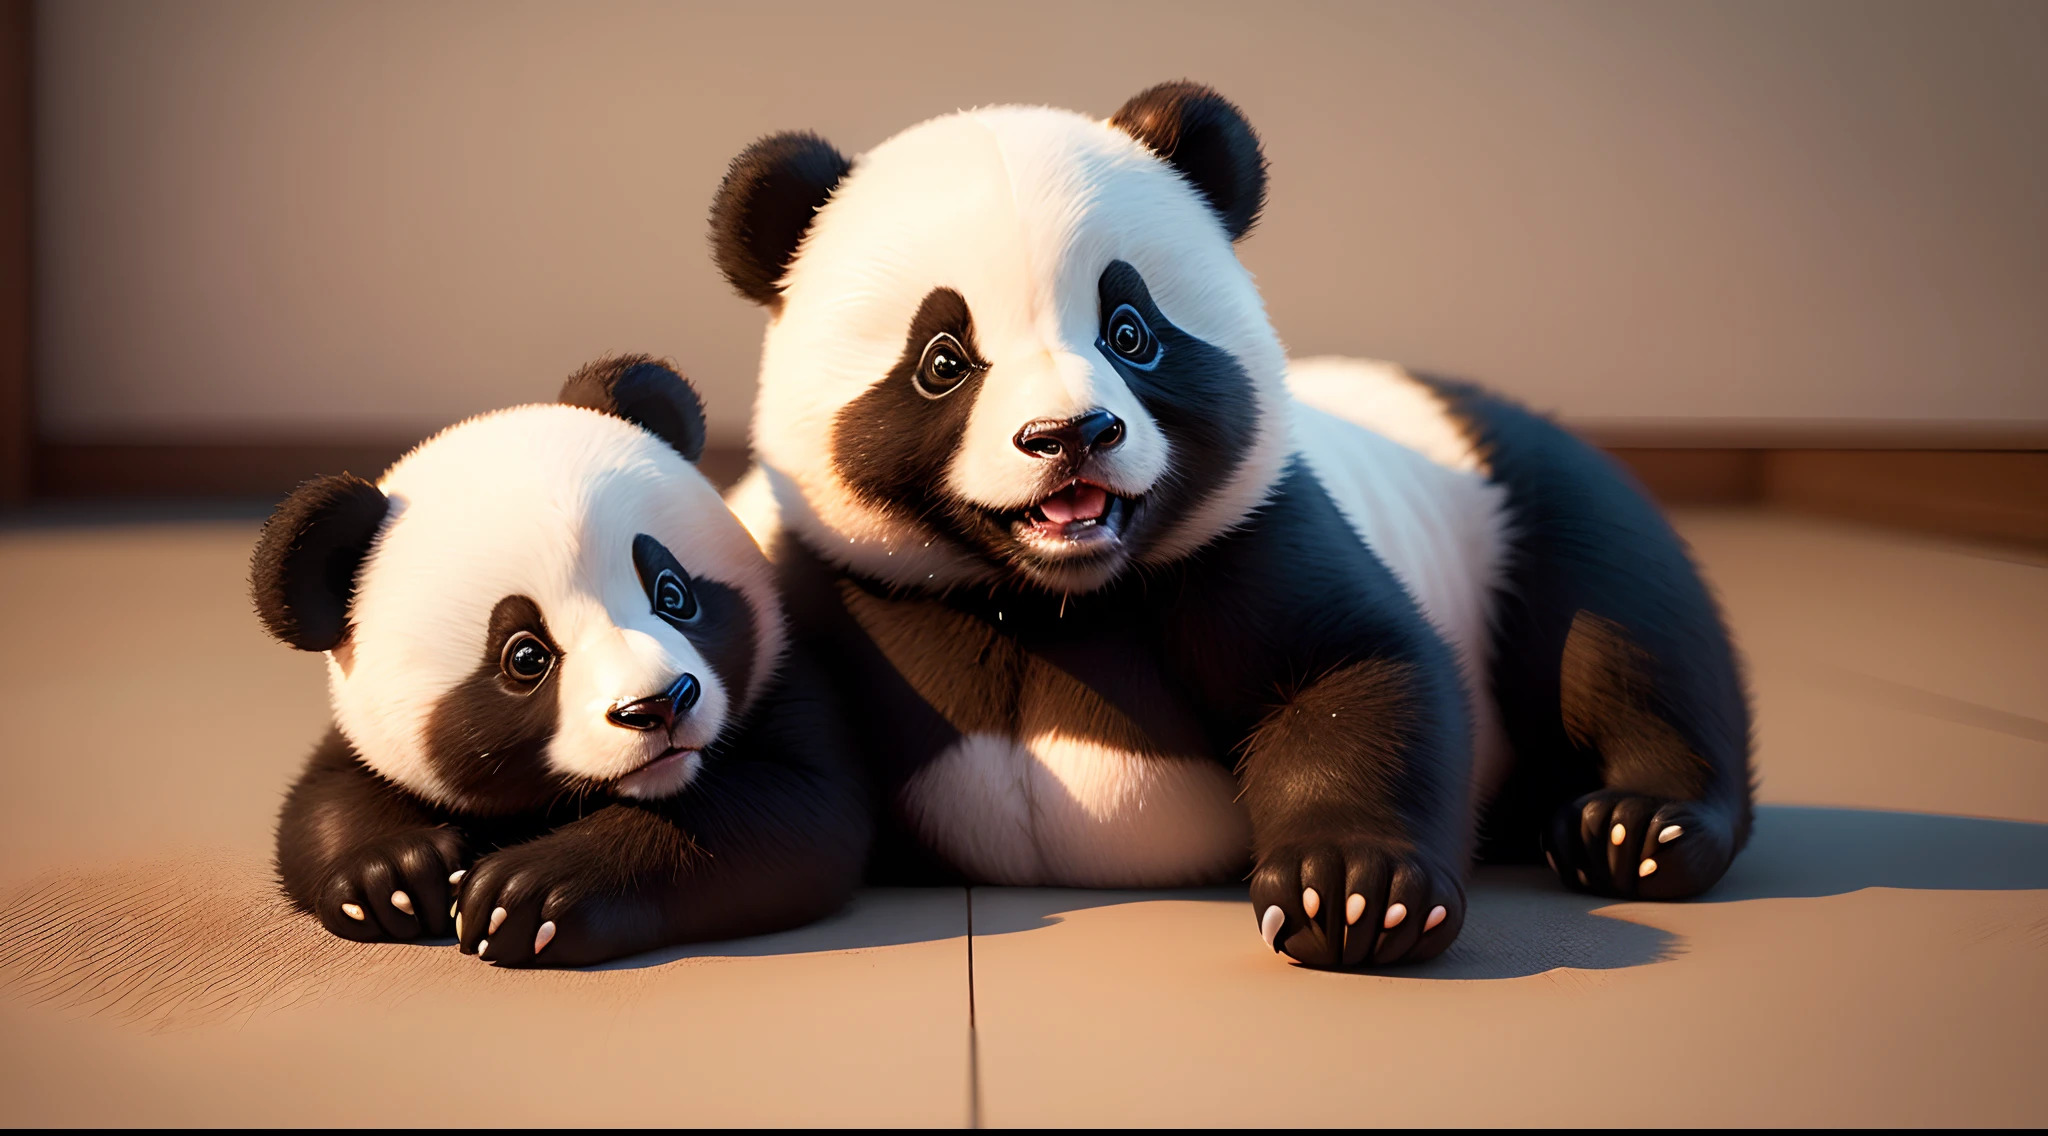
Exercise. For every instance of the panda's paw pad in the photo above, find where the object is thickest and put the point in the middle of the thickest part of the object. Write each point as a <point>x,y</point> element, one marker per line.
<point>1353,903</point>
<point>392,889</point>
<point>1636,846</point>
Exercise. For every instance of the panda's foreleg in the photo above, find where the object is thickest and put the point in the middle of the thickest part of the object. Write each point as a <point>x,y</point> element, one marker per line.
<point>1670,750</point>
<point>1352,727</point>
<point>773,833</point>
<point>369,859</point>
<point>1354,788</point>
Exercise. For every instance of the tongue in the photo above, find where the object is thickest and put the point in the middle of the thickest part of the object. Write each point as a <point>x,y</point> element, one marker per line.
<point>1077,502</point>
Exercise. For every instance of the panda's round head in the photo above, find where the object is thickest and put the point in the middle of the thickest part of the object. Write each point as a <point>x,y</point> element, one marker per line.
<point>1011,344</point>
<point>541,601</point>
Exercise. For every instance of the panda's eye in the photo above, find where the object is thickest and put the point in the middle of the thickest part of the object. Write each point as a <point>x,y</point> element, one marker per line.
<point>943,368</point>
<point>526,658</point>
<point>672,598</point>
<point>1128,336</point>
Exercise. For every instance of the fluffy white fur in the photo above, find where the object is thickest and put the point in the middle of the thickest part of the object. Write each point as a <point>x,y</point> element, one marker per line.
<point>541,501</point>
<point>1057,811</point>
<point>1019,209</point>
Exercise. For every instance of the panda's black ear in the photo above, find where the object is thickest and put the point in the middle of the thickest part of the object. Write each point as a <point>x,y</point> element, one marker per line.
<point>646,392</point>
<point>303,574</point>
<point>1201,134</point>
<point>765,205</point>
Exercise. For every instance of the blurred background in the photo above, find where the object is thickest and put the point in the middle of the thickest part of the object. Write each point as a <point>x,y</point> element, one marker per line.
<point>1783,252</point>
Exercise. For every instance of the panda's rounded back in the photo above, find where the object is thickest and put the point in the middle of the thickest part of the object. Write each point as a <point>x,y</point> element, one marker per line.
<point>525,521</point>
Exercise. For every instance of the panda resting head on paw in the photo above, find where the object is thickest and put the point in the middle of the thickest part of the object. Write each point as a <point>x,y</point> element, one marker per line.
<point>541,601</point>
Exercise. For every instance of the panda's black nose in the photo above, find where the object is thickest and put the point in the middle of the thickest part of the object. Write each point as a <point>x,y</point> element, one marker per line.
<point>1075,437</point>
<point>661,711</point>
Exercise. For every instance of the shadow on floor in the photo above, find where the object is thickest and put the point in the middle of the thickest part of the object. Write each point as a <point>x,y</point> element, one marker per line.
<point>221,942</point>
<point>1519,922</point>
<point>877,917</point>
<point>1800,852</point>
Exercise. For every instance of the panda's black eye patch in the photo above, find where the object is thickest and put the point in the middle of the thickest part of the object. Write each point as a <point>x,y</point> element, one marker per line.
<point>944,365</point>
<point>1127,334</point>
<point>526,658</point>
<point>667,585</point>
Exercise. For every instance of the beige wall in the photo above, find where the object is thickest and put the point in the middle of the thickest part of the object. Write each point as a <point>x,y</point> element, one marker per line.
<point>335,218</point>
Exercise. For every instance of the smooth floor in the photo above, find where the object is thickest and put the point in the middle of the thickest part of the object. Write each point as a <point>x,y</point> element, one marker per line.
<point>1879,955</point>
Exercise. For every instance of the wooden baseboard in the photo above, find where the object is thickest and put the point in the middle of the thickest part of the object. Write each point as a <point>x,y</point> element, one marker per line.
<point>244,470</point>
<point>17,267</point>
<point>191,470</point>
<point>1994,495</point>
<point>1696,476</point>
<point>1999,495</point>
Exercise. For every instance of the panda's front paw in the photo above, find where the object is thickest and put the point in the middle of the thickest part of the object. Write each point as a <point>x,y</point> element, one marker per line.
<point>1625,844</point>
<point>561,900</point>
<point>393,888</point>
<point>1355,903</point>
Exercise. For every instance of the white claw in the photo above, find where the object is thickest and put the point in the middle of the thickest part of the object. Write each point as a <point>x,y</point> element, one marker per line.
<point>455,877</point>
<point>482,945</point>
<point>1270,924</point>
<point>497,921</point>
<point>1671,832</point>
<point>1436,916</point>
<point>1311,902</point>
<point>1354,907</point>
<point>402,901</point>
<point>1395,914</point>
<point>458,926</point>
<point>1583,881</point>
<point>352,911</point>
<point>1550,861</point>
<point>452,906</point>
<point>544,936</point>
<point>1619,834</point>
<point>1646,867</point>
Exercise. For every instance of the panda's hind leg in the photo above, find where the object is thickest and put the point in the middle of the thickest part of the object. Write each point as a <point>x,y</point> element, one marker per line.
<point>1672,808</point>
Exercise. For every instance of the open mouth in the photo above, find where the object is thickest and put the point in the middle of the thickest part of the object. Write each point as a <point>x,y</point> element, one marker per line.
<point>1078,515</point>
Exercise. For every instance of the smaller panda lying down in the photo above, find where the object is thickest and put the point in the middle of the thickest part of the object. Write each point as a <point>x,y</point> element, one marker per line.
<point>566,727</point>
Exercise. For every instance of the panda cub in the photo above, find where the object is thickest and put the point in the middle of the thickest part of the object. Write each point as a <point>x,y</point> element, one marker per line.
<point>1120,596</point>
<point>565,723</point>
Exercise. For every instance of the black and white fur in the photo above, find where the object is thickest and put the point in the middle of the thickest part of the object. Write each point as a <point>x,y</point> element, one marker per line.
<point>1122,597</point>
<point>565,722</point>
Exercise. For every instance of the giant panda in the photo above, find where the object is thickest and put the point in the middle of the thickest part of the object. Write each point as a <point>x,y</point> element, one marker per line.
<point>1121,597</point>
<point>566,724</point>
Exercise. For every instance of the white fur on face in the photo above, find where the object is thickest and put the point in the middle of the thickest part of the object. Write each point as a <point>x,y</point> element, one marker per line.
<point>541,501</point>
<point>1019,209</point>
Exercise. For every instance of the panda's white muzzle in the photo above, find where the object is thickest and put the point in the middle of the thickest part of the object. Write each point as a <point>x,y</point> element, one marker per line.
<point>673,767</point>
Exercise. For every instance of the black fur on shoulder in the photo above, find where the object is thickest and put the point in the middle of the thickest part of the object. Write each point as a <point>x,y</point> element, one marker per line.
<point>303,573</point>
<point>646,392</point>
<point>765,205</point>
<point>1205,137</point>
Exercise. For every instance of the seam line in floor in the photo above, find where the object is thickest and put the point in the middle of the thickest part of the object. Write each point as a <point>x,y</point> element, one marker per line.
<point>973,1028</point>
